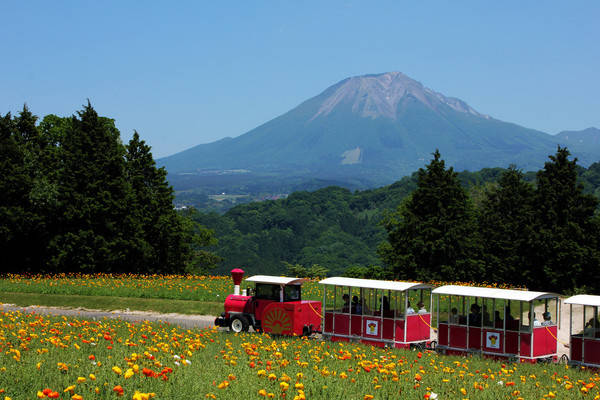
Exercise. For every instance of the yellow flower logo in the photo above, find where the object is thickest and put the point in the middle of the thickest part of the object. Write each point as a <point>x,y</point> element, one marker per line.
<point>277,321</point>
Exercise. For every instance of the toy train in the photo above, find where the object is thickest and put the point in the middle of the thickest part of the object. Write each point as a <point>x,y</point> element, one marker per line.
<point>499,323</point>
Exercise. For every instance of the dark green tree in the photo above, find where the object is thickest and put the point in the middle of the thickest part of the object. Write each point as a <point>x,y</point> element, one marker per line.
<point>166,242</point>
<point>433,234</point>
<point>506,226</point>
<point>565,246</point>
<point>94,194</point>
<point>14,186</point>
<point>23,214</point>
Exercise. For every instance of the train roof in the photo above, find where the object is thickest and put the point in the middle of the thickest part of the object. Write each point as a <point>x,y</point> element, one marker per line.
<point>494,293</point>
<point>584,299</point>
<point>374,284</point>
<point>276,280</point>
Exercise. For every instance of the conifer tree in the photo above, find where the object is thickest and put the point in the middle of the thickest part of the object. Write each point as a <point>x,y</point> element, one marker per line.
<point>14,184</point>
<point>565,246</point>
<point>161,246</point>
<point>433,234</point>
<point>94,195</point>
<point>506,228</point>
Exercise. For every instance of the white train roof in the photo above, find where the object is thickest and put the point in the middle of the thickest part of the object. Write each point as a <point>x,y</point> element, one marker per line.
<point>277,280</point>
<point>374,284</point>
<point>584,299</point>
<point>493,293</point>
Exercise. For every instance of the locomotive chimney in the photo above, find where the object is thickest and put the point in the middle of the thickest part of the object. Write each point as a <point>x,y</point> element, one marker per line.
<point>237,274</point>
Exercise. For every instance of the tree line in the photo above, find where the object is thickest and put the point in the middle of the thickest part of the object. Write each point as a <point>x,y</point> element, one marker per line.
<point>537,229</point>
<point>76,199</point>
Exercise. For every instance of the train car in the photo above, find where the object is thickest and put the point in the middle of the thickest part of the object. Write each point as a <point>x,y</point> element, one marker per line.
<point>584,330</point>
<point>380,313</point>
<point>274,306</point>
<point>500,323</point>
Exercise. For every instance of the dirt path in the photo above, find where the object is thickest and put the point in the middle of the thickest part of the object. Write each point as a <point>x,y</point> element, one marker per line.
<point>185,321</point>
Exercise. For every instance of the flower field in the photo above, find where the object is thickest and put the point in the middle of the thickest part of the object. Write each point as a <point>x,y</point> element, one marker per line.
<point>59,357</point>
<point>177,287</point>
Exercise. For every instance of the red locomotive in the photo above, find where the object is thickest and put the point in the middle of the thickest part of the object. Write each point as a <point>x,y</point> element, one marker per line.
<point>275,306</point>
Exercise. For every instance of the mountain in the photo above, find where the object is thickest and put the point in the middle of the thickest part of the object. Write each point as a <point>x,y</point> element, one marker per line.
<point>366,131</point>
<point>585,143</point>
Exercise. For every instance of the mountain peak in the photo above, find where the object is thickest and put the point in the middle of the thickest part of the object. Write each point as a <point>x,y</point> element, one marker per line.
<point>378,95</point>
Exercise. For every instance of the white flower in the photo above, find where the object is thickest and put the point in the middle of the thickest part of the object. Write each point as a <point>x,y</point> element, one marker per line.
<point>176,357</point>
<point>177,363</point>
<point>188,362</point>
<point>433,396</point>
<point>500,383</point>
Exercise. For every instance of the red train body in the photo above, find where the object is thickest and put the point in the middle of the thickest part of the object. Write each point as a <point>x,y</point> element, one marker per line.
<point>275,307</point>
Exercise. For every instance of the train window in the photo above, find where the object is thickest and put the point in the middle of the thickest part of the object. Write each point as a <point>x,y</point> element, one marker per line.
<point>267,291</point>
<point>330,292</point>
<point>356,300</point>
<point>545,312</point>
<point>370,302</point>
<point>590,318</point>
<point>487,312</point>
<point>292,293</point>
<point>474,317</point>
<point>528,321</point>
<point>340,300</point>
<point>454,307</point>
<point>390,301</point>
<point>444,307</point>
<point>418,302</point>
<point>399,304</point>
<point>511,315</point>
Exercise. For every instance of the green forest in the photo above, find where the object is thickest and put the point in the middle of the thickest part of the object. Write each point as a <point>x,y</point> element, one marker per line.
<point>76,199</point>
<point>535,229</point>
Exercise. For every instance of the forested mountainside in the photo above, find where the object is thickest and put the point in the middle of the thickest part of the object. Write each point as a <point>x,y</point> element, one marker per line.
<point>333,227</point>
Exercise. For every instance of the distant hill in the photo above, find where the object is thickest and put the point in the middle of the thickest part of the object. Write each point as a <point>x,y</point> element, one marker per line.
<point>364,132</point>
<point>332,227</point>
<point>585,144</point>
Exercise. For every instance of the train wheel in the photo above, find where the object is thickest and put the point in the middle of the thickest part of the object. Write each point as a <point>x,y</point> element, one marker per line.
<point>238,324</point>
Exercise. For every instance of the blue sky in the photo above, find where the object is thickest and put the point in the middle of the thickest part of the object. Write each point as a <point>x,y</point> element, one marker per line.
<point>185,73</point>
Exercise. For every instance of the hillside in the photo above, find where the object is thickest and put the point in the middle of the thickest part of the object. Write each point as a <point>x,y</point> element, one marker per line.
<point>332,227</point>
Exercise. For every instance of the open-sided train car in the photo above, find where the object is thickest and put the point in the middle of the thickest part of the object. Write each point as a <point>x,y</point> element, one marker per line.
<point>497,322</point>
<point>376,312</point>
<point>274,306</point>
<point>584,330</point>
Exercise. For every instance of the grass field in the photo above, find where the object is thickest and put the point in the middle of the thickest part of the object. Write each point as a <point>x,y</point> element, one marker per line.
<point>59,357</point>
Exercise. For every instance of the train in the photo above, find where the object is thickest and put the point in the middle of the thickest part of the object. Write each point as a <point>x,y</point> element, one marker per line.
<point>500,323</point>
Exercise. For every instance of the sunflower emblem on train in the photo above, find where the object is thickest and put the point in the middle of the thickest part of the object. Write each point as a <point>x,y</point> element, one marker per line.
<point>277,321</point>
